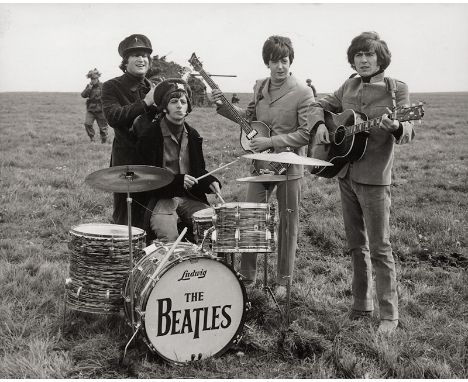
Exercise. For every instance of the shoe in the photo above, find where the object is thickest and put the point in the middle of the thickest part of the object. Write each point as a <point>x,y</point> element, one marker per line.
<point>387,326</point>
<point>359,314</point>
<point>280,291</point>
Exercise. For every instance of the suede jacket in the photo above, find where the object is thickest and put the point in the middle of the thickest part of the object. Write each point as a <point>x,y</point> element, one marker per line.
<point>372,99</point>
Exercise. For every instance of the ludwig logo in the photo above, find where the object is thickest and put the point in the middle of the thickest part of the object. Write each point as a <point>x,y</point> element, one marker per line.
<point>188,275</point>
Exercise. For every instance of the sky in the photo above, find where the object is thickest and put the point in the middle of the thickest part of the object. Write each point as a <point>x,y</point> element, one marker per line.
<point>51,47</point>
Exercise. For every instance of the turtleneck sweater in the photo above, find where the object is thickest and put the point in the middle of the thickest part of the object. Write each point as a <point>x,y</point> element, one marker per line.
<point>275,87</point>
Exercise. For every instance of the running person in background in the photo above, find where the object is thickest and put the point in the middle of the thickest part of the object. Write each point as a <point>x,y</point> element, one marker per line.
<point>281,102</point>
<point>94,107</point>
<point>365,184</point>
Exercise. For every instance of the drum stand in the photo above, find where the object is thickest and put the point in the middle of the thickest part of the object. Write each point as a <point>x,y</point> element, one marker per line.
<point>266,287</point>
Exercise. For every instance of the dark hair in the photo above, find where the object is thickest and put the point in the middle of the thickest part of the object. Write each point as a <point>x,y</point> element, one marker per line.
<point>370,41</point>
<point>277,47</point>
<point>123,64</point>
<point>177,94</point>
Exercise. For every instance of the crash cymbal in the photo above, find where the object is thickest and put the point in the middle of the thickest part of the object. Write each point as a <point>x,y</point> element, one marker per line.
<point>130,178</point>
<point>287,157</point>
<point>264,178</point>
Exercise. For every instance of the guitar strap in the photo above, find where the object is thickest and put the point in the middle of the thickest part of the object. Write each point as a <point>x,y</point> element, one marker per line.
<point>392,88</point>
<point>259,97</point>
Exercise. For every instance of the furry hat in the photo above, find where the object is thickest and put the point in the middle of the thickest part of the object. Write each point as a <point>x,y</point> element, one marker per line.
<point>93,73</point>
<point>164,89</point>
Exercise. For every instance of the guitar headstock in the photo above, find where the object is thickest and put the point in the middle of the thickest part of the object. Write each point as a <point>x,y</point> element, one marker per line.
<point>409,113</point>
<point>195,62</point>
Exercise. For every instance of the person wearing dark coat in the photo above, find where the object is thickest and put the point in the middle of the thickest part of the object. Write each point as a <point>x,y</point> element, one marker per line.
<point>123,99</point>
<point>166,140</point>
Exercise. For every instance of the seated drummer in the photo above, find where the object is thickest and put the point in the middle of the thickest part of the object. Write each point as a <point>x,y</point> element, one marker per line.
<point>166,140</point>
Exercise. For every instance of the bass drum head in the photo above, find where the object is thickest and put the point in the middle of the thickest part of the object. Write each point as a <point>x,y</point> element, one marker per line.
<point>195,311</point>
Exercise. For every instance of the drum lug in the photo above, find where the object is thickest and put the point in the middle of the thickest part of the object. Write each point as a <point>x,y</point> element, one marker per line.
<point>83,249</point>
<point>111,251</point>
<point>140,313</point>
<point>68,281</point>
<point>248,306</point>
<point>108,295</point>
<point>236,340</point>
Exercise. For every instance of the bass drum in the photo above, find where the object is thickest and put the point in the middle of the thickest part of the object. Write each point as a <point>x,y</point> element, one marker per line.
<point>193,309</point>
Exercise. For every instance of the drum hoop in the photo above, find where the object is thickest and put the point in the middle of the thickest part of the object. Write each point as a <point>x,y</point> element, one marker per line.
<point>242,320</point>
<point>246,205</point>
<point>197,214</point>
<point>135,235</point>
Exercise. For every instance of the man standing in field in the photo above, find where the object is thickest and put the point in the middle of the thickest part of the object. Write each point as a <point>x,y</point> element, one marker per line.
<point>365,183</point>
<point>124,98</point>
<point>168,141</point>
<point>94,107</point>
<point>309,84</point>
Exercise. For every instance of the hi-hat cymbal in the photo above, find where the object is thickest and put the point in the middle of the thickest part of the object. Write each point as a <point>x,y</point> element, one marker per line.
<point>287,157</point>
<point>264,178</point>
<point>130,178</point>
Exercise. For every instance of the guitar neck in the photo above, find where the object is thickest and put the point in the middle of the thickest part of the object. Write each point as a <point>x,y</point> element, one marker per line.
<point>238,118</point>
<point>363,126</point>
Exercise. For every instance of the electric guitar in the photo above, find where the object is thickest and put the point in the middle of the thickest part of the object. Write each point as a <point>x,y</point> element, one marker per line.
<point>348,133</point>
<point>248,130</point>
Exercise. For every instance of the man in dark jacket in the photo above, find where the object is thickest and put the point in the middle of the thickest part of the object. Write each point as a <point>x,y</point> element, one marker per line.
<point>124,98</point>
<point>94,107</point>
<point>168,141</point>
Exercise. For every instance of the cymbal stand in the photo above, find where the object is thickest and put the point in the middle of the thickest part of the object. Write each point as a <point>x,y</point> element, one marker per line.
<point>288,217</point>
<point>266,288</point>
<point>129,176</point>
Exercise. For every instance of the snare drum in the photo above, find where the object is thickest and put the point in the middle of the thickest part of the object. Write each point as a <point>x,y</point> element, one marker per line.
<point>99,265</point>
<point>193,309</point>
<point>244,227</point>
<point>202,221</point>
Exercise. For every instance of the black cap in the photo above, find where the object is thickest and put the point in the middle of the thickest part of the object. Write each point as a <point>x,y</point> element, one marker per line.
<point>165,88</point>
<point>135,42</point>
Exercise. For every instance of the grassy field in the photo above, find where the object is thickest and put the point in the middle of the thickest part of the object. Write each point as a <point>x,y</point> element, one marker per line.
<point>45,156</point>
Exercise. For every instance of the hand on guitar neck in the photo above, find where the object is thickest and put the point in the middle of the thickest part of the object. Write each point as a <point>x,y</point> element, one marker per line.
<point>257,144</point>
<point>387,124</point>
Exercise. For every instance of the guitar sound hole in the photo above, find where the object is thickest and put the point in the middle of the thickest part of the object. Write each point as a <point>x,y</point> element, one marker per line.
<point>339,135</point>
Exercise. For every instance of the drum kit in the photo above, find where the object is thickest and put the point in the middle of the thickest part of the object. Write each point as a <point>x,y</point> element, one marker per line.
<point>184,299</point>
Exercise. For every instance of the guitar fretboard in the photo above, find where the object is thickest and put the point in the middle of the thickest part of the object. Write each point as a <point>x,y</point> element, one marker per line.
<point>245,126</point>
<point>238,118</point>
<point>363,126</point>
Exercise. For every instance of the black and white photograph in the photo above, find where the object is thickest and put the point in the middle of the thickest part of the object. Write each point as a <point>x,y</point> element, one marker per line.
<point>234,190</point>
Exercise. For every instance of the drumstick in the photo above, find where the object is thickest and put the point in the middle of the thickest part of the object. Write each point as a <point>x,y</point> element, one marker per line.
<point>213,171</point>
<point>220,197</point>
<point>164,260</point>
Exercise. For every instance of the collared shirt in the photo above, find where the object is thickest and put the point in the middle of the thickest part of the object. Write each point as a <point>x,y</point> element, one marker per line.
<point>176,155</point>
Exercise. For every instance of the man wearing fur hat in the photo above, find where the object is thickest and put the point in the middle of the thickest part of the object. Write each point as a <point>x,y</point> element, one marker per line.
<point>94,107</point>
<point>166,140</point>
<point>123,99</point>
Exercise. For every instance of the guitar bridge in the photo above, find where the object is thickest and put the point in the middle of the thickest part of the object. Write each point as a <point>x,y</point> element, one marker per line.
<point>252,134</point>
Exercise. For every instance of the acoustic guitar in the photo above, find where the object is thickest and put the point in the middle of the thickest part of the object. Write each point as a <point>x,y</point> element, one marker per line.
<point>248,130</point>
<point>348,133</point>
